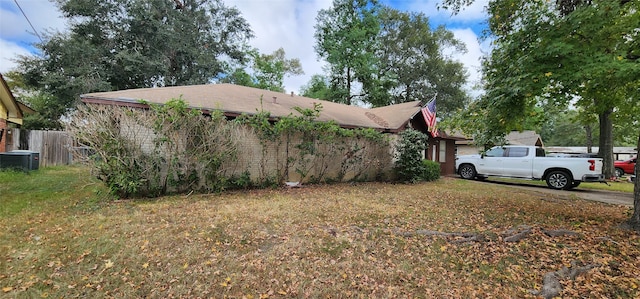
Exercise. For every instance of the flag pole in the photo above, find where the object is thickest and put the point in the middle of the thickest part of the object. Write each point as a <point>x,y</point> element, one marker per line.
<point>431,100</point>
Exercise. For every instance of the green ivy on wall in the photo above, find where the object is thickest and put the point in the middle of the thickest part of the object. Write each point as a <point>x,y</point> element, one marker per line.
<point>173,148</point>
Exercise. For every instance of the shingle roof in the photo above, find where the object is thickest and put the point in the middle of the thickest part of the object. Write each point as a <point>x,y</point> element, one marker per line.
<point>235,100</point>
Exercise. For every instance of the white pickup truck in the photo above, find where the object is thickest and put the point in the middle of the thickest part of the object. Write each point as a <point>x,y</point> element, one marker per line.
<point>529,162</point>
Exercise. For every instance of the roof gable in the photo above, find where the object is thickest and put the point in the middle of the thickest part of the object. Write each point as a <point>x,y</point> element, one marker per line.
<point>399,114</point>
<point>524,138</point>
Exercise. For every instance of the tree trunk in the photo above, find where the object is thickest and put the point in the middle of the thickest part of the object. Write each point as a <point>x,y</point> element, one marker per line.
<point>635,218</point>
<point>349,86</point>
<point>589,132</point>
<point>606,143</point>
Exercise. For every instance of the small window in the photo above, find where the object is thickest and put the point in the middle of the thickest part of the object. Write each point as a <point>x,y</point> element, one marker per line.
<point>518,152</point>
<point>442,157</point>
<point>495,152</point>
<point>540,152</point>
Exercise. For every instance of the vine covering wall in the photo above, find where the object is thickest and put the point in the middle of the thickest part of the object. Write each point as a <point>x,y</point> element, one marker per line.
<point>174,149</point>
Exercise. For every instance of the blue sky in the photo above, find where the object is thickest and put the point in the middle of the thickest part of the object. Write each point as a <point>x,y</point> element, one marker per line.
<point>276,23</point>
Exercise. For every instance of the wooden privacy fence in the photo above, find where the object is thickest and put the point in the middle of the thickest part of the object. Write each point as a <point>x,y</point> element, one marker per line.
<point>55,147</point>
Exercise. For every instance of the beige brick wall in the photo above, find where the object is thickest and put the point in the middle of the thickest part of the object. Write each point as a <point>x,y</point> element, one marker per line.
<point>277,160</point>
<point>349,158</point>
<point>133,131</point>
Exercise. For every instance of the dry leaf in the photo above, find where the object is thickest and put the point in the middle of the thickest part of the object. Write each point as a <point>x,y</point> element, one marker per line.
<point>108,264</point>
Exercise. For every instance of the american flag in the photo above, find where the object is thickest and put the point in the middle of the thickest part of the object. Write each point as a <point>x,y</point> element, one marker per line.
<point>429,113</point>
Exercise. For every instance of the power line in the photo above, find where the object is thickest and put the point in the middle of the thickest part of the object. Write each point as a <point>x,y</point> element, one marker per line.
<point>29,21</point>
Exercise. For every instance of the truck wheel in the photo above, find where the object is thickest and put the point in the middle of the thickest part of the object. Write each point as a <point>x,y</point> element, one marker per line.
<point>467,172</point>
<point>559,180</point>
<point>619,172</point>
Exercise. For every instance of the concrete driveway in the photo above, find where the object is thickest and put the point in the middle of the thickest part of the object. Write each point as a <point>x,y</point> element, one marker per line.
<point>610,197</point>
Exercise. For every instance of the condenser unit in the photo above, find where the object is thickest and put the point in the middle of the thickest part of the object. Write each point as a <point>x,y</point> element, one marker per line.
<point>22,160</point>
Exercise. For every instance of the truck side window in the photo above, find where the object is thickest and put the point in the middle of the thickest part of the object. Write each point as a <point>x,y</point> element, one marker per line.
<point>517,152</point>
<point>495,152</point>
<point>540,152</point>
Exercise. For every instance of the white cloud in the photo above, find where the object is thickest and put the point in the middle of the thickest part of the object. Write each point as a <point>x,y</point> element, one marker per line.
<point>17,35</point>
<point>43,15</point>
<point>8,22</point>
<point>472,58</point>
<point>8,53</point>
<point>287,24</point>
<point>473,13</point>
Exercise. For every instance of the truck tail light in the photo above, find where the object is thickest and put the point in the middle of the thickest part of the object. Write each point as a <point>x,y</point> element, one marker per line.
<point>592,165</point>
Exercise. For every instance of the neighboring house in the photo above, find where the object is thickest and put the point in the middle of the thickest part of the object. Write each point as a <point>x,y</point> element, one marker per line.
<point>619,152</point>
<point>466,146</point>
<point>11,113</point>
<point>531,138</point>
<point>234,100</point>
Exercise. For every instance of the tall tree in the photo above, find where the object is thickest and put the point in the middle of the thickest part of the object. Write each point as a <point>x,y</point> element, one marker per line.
<point>634,221</point>
<point>562,129</point>
<point>628,114</point>
<point>580,52</point>
<point>267,71</point>
<point>413,63</point>
<point>272,68</point>
<point>121,44</point>
<point>345,38</point>
<point>317,88</point>
<point>381,56</point>
<point>559,58</point>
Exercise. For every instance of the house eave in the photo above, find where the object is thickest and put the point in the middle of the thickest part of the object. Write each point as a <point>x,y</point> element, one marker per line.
<point>14,114</point>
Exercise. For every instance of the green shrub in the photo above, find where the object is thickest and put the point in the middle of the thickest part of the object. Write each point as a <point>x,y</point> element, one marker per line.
<point>431,170</point>
<point>409,166</point>
<point>242,181</point>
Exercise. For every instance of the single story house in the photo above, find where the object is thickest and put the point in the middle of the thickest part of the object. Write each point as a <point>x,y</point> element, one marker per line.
<point>619,152</point>
<point>234,100</point>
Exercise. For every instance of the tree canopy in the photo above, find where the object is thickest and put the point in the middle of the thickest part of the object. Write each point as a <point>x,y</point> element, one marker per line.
<point>122,44</point>
<point>317,88</point>
<point>558,54</point>
<point>379,56</point>
<point>345,38</point>
<point>414,65</point>
<point>552,55</point>
<point>267,71</point>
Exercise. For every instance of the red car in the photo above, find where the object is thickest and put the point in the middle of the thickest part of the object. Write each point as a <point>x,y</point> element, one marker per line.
<point>626,166</point>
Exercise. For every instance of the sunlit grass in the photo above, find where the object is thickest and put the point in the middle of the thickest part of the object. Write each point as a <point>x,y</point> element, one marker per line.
<point>49,187</point>
<point>317,241</point>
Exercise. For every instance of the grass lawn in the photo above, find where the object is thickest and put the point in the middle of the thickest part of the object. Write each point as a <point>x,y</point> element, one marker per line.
<point>61,235</point>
